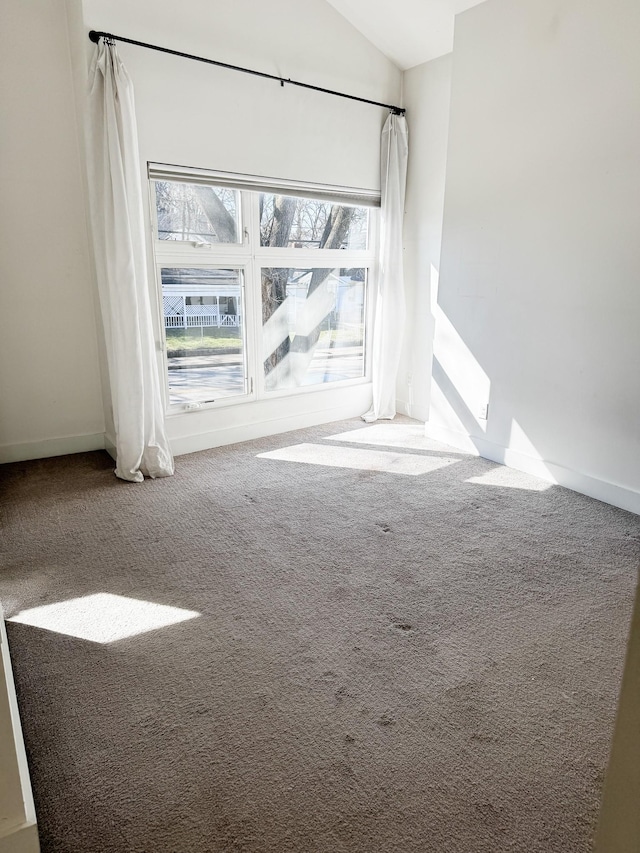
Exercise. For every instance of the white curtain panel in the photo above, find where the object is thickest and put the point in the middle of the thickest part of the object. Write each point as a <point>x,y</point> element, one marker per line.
<point>119,248</point>
<point>390,301</point>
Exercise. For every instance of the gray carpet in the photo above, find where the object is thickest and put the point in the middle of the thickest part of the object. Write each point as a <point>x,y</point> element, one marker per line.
<point>381,662</point>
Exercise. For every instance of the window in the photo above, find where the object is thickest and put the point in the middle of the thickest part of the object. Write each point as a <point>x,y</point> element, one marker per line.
<point>311,224</point>
<point>204,333</point>
<point>196,212</point>
<point>315,333</point>
<point>263,292</point>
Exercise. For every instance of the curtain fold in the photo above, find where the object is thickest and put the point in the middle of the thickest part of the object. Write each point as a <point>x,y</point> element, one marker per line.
<point>390,311</point>
<point>117,222</point>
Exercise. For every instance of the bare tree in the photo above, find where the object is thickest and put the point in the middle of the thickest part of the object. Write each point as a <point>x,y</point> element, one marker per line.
<point>326,223</point>
<point>222,222</point>
<point>335,232</point>
<point>274,279</point>
<point>311,222</point>
<point>196,212</point>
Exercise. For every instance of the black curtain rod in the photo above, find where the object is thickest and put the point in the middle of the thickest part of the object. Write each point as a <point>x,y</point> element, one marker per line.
<point>96,36</point>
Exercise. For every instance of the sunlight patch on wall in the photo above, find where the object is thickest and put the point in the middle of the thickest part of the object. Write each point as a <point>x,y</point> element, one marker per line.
<point>434,282</point>
<point>103,617</point>
<point>461,388</point>
<point>360,459</point>
<point>409,436</point>
<point>509,478</point>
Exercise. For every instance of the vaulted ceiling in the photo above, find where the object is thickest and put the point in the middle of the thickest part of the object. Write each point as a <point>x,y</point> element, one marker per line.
<point>409,32</point>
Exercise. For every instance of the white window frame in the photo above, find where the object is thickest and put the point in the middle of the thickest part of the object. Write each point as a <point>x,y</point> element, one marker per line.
<point>250,257</point>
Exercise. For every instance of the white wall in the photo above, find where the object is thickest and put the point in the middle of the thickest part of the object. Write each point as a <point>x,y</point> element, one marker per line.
<point>197,115</point>
<point>192,114</point>
<point>427,90</point>
<point>538,297</point>
<point>50,395</point>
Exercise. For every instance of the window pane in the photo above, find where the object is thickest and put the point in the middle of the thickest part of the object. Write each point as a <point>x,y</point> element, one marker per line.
<point>312,326</point>
<point>304,223</point>
<point>197,213</point>
<point>204,330</point>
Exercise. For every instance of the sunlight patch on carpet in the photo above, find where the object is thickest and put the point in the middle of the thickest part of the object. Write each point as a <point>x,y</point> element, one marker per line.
<point>509,478</point>
<point>103,617</point>
<point>409,436</point>
<point>360,459</point>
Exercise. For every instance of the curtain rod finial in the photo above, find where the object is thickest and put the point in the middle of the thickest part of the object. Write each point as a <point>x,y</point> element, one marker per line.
<point>94,36</point>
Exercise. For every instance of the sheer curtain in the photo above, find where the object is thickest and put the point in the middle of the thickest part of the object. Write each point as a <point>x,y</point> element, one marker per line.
<point>390,302</point>
<point>119,248</point>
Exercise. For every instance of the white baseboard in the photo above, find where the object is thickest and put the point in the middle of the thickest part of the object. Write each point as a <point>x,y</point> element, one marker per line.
<point>110,445</point>
<point>356,404</point>
<point>18,830</point>
<point>51,447</point>
<point>348,403</point>
<point>552,472</point>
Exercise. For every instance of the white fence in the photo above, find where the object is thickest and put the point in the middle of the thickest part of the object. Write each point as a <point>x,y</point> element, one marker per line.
<point>178,315</point>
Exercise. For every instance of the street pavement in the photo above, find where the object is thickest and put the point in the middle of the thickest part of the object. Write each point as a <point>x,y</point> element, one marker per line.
<point>201,379</point>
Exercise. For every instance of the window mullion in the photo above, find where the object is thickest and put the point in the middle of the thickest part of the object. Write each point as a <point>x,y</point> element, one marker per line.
<point>255,338</point>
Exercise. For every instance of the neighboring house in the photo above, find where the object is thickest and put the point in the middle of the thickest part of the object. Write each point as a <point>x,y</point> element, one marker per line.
<point>200,298</point>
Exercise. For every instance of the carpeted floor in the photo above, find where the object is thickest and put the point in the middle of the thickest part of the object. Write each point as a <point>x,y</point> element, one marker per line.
<point>402,648</point>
